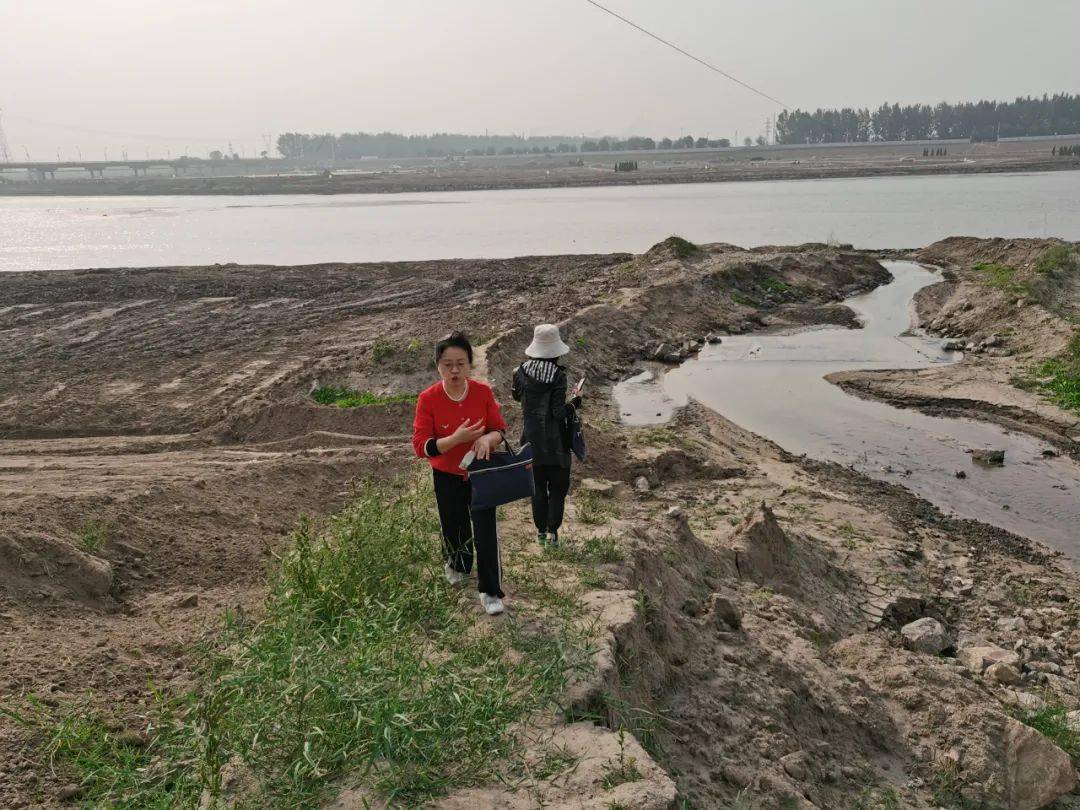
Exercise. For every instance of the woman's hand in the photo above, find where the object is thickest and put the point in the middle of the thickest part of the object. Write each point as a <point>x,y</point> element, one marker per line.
<point>467,432</point>
<point>486,444</point>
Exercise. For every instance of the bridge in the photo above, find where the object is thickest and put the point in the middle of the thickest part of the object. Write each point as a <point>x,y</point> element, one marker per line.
<point>42,170</point>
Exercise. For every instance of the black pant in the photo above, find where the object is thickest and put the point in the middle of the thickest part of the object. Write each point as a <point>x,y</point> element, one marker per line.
<point>549,496</point>
<point>463,529</point>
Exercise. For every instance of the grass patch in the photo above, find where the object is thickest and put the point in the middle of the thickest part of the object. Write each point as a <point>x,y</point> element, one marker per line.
<point>589,551</point>
<point>361,664</point>
<point>622,769</point>
<point>1058,378</point>
<point>381,351</point>
<point>743,300</point>
<point>683,248</point>
<point>349,398</point>
<point>1050,722</point>
<point>592,579</point>
<point>92,536</point>
<point>592,508</point>
<point>1058,259</point>
<point>775,285</point>
<point>999,276</point>
<point>581,342</point>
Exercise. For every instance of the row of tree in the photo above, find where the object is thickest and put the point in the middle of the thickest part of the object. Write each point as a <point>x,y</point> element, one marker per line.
<point>354,145</point>
<point>982,120</point>
<point>1066,151</point>
<point>636,144</point>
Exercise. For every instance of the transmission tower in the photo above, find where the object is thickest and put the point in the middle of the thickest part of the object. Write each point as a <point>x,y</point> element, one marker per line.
<point>5,150</point>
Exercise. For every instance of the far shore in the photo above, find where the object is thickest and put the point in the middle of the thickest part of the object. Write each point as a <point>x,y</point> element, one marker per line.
<point>573,171</point>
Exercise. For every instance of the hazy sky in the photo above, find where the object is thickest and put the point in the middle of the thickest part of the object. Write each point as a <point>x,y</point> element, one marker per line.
<point>198,74</point>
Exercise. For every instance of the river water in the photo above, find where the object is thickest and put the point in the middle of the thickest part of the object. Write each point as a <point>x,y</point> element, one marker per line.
<point>48,233</point>
<point>774,386</point>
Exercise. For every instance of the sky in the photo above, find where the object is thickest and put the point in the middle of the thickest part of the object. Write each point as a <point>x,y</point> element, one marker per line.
<point>157,78</point>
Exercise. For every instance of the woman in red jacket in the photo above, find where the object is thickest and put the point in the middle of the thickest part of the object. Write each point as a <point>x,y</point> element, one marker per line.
<point>454,416</point>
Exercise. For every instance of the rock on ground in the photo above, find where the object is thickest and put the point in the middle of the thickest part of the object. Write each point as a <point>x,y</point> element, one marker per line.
<point>926,636</point>
<point>1037,772</point>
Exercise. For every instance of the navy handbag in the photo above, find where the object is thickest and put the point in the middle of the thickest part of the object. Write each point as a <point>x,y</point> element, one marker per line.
<point>505,477</point>
<point>577,437</point>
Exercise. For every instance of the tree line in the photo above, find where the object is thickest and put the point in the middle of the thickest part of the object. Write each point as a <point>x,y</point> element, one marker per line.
<point>1058,114</point>
<point>355,145</point>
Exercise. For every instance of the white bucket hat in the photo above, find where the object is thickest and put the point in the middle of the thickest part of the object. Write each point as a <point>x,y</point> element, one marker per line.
<point>547,343</point>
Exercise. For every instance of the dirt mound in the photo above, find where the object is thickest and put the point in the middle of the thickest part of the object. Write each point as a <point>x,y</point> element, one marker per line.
<point>45,567</point>
<point>300,416</point>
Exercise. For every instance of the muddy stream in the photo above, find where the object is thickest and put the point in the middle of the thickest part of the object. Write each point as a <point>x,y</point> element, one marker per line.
<point>774,385</point>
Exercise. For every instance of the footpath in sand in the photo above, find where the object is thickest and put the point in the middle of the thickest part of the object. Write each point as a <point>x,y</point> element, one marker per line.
<point>772,631</point>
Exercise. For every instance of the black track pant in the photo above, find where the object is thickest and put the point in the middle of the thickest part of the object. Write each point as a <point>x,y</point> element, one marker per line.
<point>549,496</point>
<point>463,529</point>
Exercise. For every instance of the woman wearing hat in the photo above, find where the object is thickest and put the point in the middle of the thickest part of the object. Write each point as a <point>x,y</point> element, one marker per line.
<point>540,386</point>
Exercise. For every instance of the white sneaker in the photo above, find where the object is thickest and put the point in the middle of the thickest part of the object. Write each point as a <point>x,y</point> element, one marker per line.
<point>492,604</point>
<point>453,576</point>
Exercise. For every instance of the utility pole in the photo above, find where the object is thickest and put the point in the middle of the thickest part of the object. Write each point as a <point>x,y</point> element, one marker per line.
<point>5,150</point>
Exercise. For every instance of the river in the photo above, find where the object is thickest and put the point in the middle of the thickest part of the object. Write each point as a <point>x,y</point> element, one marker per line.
<point>49,233</point>
<point>774,386</point>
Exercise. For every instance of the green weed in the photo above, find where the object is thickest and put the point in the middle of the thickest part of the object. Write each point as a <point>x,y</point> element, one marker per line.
<point>622,769</point>
<point>592,579</point>
<point>1058,259</point>
<point>361,663</point>
<point>999,276</point>
<point>349,398</point>
<point>775,285</point>
<point>591,507</point>
<point>92,536</point>
<point>381,351</point>
<point>1051,723</point>
<point>590,551</point>
<point>683,248</point>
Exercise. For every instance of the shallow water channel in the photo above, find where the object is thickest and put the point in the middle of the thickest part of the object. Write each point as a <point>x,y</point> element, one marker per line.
<point>774,386</point>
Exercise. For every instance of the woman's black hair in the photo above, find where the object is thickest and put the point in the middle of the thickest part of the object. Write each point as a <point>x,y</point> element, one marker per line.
<point>456,339</point>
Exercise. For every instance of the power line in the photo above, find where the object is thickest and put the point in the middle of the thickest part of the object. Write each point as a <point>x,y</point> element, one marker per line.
<point>118,134</point>
<point>714,68</point>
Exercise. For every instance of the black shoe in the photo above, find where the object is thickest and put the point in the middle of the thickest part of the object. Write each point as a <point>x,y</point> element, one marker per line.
<point>542,538</point>
<point>553,539</point>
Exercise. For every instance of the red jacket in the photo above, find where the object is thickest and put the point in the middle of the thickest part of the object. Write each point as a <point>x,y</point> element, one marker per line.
<point>437,416</point>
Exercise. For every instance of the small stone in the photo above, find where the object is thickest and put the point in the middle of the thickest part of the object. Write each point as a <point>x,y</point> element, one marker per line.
<point>1003,673</point>
<point>641,484</point>
<point>675,513</point>
<point>995,457</point>
<point>977,659</point>
<point>926,636</point>
<point>724,611</point>
<point>1014,625</point>
<point>1072,721</point>
<point>1044,666</point>
<point>69,792</point>
<point>960,474</point>
<point>187,600</point>
<point>796,765</point>
<point>1023,700</point>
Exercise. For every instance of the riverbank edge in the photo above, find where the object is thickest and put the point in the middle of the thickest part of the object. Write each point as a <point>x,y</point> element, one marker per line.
<point>1005,404</point>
